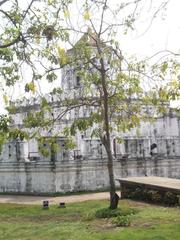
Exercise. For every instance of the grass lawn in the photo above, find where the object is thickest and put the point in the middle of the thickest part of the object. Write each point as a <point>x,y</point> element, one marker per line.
<point>24,222</point>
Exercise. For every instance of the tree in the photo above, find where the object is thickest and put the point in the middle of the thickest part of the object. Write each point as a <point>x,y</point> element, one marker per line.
<point>108,81</point>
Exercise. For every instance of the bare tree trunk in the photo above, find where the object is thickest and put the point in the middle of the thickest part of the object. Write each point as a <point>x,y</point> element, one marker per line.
<point>114,198</point>
<point>106,140</point>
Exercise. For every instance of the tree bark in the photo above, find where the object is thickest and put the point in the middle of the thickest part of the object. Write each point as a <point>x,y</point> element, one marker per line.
<point>114,198</point>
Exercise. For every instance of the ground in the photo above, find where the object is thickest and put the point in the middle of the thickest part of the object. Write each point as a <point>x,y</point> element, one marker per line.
<point>31,222</point>
<point>19,199</point>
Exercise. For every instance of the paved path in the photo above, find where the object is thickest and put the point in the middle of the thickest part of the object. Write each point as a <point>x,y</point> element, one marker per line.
<point>19,199</point>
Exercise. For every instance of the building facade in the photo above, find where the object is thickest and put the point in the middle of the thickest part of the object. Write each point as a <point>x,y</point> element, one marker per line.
<point>151,149</point>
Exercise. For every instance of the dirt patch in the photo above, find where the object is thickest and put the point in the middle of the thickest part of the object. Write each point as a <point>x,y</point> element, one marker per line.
<point>132,203</point>
<point>101,225</point>
<point>34,200</point>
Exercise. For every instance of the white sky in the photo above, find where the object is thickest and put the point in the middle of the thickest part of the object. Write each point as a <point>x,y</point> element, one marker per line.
<point>163,34</point>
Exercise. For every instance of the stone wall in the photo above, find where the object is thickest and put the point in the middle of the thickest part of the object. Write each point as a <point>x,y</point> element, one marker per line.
<point>24,170</point>
<point>80,175</point>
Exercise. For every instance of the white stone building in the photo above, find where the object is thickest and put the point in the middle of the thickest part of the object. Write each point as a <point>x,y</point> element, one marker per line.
<point>154,150</point>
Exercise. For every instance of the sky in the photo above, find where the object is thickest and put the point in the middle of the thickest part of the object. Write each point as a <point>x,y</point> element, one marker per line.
<point>163,33</point>
<point>150,36</point>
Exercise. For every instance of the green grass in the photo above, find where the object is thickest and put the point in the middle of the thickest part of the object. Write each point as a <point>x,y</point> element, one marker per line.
<point>22,222</point>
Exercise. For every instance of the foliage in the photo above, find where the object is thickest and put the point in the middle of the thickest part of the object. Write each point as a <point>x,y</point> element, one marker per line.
<point>35,119</point>
<point>153,196</point>
<point>9,133</point>
<point>4,121</point>
<point>47,145</point>
<point>17,134</point>
<point>4,126</point>
<point>109,213</point>
<point>170,199</point>
<point>122,221</point>
<point>156,196</point>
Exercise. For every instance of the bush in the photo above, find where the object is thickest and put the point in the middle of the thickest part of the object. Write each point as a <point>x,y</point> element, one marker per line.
<point>178,199</point>
<point>137,193</point>
<point>170,198</point>
<point>89,216</point>
<point>109,213</point>
<point>153,196</point>
<point>156,196</point>
<point>122,221</point>
<point>106,213</point>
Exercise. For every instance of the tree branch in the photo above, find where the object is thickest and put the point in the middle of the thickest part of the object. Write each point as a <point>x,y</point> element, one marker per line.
<point>11,43</point>
<point>2,2</point>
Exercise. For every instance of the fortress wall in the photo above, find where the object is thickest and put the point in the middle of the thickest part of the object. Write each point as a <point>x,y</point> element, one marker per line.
<point>49,178</point>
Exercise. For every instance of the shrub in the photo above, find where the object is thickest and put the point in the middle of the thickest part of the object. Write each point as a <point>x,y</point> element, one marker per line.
<point>106,213</point>
<point>178,198</point>
<point>109,213</point>
<point>89,216</point>
<point>170,198</point>
<point>156,196</point>
<point>137,193</point>
<point>122,221</point>
<point>153,196</point>
<point>127,193</point>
